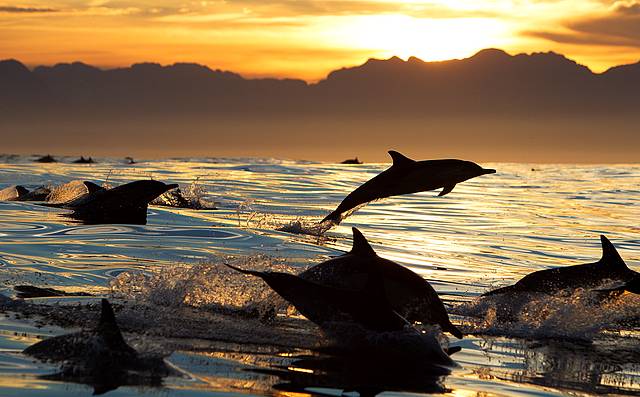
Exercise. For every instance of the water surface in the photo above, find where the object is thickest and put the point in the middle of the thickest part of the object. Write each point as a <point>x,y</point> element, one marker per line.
<point>489,232</point>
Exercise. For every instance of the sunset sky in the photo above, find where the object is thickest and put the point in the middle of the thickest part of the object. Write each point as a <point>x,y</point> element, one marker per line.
<point>308,38</point>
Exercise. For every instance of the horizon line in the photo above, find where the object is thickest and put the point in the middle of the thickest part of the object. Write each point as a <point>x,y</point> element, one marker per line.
<point>249,76</point>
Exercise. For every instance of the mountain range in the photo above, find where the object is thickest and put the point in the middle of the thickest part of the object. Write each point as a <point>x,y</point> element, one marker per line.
<point>493,106</point>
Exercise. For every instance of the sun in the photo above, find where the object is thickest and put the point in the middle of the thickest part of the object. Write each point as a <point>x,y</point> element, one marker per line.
<point>428,39</point>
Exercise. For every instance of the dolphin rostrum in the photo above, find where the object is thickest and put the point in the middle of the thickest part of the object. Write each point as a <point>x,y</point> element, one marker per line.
<point>100,356</point>
<point>123,204</point>
<point>610,267</point>
<point>409,176</point>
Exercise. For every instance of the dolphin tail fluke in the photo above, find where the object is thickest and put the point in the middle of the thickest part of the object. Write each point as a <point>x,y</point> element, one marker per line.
<point>610,255</point>
<point>335,217</point>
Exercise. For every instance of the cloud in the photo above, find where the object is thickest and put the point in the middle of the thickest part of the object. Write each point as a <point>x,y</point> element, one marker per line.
<point>618,26</point>
<point>357,7</point>
<point>25,10</point>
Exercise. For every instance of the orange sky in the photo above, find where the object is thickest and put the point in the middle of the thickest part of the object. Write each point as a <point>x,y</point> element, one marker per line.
<point>308,38</point>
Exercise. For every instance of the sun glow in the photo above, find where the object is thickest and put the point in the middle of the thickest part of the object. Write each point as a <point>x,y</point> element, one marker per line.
<point>428,39</point>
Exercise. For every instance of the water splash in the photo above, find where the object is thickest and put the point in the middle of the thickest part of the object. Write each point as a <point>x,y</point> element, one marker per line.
<point>578,315</point>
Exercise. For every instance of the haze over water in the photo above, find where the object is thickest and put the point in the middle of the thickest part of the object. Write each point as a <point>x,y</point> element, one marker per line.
<point>489,231</point>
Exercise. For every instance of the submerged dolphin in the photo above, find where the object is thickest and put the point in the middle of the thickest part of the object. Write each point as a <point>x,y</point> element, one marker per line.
<point>410,295</point>
<point>100,356</point>
<point>409,176</point>
<point>610,267</point>
<point>123,204</point>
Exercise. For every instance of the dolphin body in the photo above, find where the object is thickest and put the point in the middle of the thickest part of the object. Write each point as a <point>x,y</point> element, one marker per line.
<point>21,193</point>
<point>13,193</point>
<point>409,176</point>
<point>610,267</point>
<point>410,295</point>
<point>336,311</point>
<point>123,204</point>
<point>325,305</point>
<point>100,357</point>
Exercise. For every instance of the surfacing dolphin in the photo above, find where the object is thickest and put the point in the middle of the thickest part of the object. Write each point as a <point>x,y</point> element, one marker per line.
<point>100,357</point>
<point>325,305</point>
<point>126,203</point>
<point>410,295</point>
<point>407,176</point>
<point>342,313</point>
<point>610,267</point>
<point>21,193</point>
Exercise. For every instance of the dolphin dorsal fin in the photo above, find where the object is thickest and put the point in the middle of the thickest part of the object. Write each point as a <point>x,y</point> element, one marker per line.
<point>21,190</point>
<point>92,187</point>
<point>361,245</point>
<point>400,160</point>
<point>107,318</point>
<point>610,255</point>
<point>110,332</point>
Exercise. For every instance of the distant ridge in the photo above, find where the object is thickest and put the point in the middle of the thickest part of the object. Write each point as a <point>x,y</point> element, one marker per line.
<point>486,91</point>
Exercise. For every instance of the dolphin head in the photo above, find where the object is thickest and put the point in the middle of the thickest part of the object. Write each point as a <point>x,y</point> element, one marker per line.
<point>469,169</point>
<point>456,171</point>
<point>144,191</point>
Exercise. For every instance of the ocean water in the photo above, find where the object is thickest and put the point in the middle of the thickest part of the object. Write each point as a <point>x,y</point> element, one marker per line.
<point>172,294</point>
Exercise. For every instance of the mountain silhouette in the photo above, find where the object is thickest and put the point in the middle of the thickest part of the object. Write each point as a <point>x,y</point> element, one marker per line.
<point>523,102</point>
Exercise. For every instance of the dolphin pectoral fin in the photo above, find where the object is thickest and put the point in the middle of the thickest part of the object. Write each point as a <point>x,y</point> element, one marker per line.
<point>453,330</point>
<point>360,244</point>
<point>248,272</point>
<point>452,350</point>
<point>610,255</point>
<point>92,187</point>
<point>400,160</point>
<point>447,189</point>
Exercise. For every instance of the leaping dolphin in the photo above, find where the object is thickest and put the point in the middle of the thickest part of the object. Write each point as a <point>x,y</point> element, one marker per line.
<point>100,356</point>
<point>610,267</point>
<point>409,294</point>
<point>409,176</point>
<point>123,204</point>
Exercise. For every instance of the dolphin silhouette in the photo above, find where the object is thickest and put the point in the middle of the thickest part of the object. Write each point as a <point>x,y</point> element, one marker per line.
<point>123,204</point>
<point>100,356</point>
<point>334,308</point>
<point>410,295</point>
<point>21,193</point>
<point>13,193</point>
<point>324,305</point>
<point>409,176</point>
<point>610,267</point>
